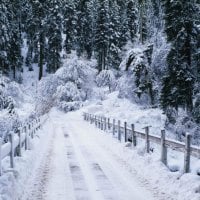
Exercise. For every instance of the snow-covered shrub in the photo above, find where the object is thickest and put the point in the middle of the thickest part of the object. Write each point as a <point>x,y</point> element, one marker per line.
<point>69,106</point>
<point>68,97</point>
<point>79,72</point>
<point>46,93</point>
<point>11,97</point>
<point>99,93</point>
<point>137,72</point>
<point>196,110</point>
<point>68,92</point>
<point>76,80</point>
<point>106,78</point>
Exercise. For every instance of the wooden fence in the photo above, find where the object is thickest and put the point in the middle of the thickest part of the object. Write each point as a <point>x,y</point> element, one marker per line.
<point>18,141</point>
<point>130,134</point>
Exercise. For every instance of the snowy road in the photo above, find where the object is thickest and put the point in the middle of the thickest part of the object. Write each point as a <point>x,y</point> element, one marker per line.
<point>75,165</point>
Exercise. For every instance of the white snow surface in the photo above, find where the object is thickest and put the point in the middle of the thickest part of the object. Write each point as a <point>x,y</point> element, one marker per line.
<point>71,159</point>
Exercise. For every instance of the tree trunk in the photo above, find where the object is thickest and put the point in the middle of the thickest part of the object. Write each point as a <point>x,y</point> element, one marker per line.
<point>41,57</point>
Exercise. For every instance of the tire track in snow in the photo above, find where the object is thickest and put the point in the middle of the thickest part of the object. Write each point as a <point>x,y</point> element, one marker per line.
<point>114,172</point>
<point>36,185</point>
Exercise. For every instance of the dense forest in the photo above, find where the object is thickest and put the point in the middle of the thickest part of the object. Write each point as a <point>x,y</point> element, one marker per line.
<point>152,47</point>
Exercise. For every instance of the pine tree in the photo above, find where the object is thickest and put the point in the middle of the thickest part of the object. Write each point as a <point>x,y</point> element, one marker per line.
<point>14,51</point>
<point>69,23</point>
<point>84,29</point>
<point>40,11</point>
<point>178,84</point>
<point>132,19</point>
<point>54,36</point>
<point>142,20</point>
<point>102,34</point>
<point>114,36</point>
<point>4,37</point>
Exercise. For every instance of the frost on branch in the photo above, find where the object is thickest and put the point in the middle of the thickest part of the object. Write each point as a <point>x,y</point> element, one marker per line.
<point>106,78</point>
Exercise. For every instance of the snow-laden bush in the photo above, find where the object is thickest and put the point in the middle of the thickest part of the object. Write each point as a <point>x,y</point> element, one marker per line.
<point>11,97</point>
<point>136,82</point>
<point>68,92</point>
<point>71,83</point>
<point>68,97</point>
<point>47,88</point>
<point>76,80</point>
<point>106,78</point>
<point>69,106</point>
<point>81,73</point>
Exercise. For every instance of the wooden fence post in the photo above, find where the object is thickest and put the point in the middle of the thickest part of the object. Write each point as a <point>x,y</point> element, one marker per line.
<point>187,154</point>
<point>147,139</point>
<point>163,148</point>
<point>102,123</point>
<point>125,132</point>
<point>11,138</point>
<point>26,137</point>
<point>32,130</point>
<point>108,123</point>
<point>105,125</point>
<point>19,148</point>
<point>119,130</point>
<point>0,156</point>
<point>95,120</point>
<point>134,139</point>
<point>98,122</point>
<point>113,128</point>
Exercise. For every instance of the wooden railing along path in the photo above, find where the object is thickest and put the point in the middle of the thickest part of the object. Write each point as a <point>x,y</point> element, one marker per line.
<point>17,141</point>
<point>130,134</point>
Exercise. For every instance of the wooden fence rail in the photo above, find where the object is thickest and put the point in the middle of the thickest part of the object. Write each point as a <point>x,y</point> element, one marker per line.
<point>130,134</point>
<point>18,141</point>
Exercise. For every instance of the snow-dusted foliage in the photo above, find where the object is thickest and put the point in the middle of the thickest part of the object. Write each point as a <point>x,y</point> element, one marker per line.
<point>137,79</point>
<point>45,95</point>
<point>106,78</point>
<point>11,97</point>
<point>68,87</point>
<point>68,97</point>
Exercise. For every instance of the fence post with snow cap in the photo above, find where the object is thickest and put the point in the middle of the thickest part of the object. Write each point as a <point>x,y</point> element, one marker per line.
<point>105,124</point>
<point>187,153</point>
<point>108,123</point>
<point>163,148</point>
<point>19,148</point>
<point>147,141</point>
<point>164,142</point>
<point>11,138</point>
<point>26,137</point>
<point>125,132</point>
<point>134,139</point>
<point>113,127</point>
<point>119,130</point>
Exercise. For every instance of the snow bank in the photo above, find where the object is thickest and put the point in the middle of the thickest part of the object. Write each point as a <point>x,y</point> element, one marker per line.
<point>13,182</point>
<point>149,166</point>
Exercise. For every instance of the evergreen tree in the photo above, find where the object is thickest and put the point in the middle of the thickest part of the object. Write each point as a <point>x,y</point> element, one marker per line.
<point>4,37</point>
<point>14,51</point>
<point>102,34</point>
<point>70,20</point>
<point>132,19</point>
<point>114,36</point>
<point>84,28</point>
<point>54,36</point>
<point>142,20</point>
<point>178,83</point>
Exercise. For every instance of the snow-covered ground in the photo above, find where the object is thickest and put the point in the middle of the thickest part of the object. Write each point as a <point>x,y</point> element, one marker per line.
<point>74,160</point>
